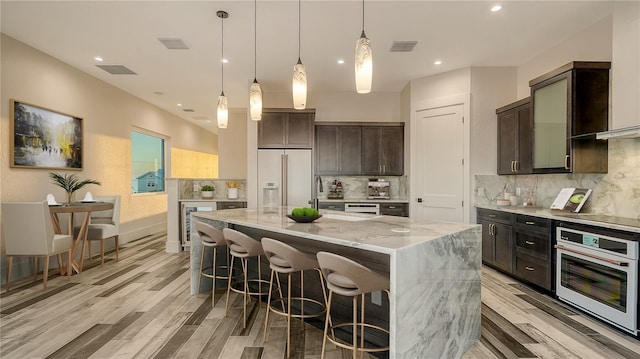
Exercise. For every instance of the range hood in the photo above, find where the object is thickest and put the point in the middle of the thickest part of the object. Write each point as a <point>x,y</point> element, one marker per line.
<point>627,132</point>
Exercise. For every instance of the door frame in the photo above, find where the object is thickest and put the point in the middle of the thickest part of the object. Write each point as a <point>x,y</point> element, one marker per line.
<point>434,103</point>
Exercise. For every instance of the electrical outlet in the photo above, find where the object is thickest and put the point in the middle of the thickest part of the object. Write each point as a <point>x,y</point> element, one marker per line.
<point>518,191</point>
<point>481,191</point>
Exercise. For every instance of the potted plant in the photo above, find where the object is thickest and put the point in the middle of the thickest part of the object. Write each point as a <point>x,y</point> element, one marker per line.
<point>70,183</point>
<point>206,191</point>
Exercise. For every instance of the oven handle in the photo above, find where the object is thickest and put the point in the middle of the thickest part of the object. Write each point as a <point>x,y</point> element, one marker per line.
<point>610,261</point>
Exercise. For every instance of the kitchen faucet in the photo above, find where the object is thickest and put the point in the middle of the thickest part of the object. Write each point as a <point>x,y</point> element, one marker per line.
<point>319,188</point>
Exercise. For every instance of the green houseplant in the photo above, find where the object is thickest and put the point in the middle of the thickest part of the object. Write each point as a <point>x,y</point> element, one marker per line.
<point>70,183</point>
<point>206,191</point>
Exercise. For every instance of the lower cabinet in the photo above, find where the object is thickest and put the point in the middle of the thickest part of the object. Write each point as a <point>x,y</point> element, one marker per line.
<point>231,205</point>
<point>334,206</point>
<point>394,209</point>
<point>518,245</point>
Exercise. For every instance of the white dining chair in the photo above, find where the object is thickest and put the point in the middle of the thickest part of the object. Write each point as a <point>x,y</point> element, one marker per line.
<point>104,225</point>
<point>27,230</point>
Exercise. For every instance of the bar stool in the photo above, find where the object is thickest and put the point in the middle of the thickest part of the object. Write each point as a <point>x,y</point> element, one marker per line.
<point>243,247</point>
<point>211,237</point>
<point>286,259</point>
<point>351,279</point>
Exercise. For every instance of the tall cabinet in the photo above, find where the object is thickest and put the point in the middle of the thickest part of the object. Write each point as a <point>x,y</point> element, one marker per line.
<point>570,105</point>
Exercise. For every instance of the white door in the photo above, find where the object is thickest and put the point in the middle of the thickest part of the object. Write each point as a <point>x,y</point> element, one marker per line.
<point>439,147</point>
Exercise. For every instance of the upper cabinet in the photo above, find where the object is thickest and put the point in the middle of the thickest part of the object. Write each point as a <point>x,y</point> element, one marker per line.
<point>338,149</point>
<point>515,138</point>
<point>570,105</point>
<point>383,150</point>
<point>286,129</point>
<point>352,149</point>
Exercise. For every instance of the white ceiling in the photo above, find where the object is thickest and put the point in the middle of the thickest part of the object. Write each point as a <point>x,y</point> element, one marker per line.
<point>460,33</point>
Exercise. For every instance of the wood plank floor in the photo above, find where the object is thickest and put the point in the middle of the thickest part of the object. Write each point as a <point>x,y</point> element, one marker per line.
<point>140,307</point>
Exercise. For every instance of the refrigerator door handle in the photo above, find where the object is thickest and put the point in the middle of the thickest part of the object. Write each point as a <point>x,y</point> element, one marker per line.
<point>285,174</point>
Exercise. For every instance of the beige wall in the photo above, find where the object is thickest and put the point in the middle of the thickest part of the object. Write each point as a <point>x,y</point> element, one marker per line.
<point>232,145</point>
<point>109,114</point>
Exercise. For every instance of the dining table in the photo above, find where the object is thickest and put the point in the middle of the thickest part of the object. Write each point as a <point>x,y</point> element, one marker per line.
<point>81,238</point>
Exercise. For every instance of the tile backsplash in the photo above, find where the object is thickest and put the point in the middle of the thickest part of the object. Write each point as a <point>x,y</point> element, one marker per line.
<point>190,187</point>
<point>614,193</point>
<point>355,187</point>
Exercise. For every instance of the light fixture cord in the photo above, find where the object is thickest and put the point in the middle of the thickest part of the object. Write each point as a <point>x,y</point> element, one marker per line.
<point>298,29</point>
<point>362,15</point>
<point>255,39</point>
<point>222,60</point>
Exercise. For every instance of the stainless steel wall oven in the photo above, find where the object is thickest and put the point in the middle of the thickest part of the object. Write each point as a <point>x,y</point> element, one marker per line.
<point>599,274</point>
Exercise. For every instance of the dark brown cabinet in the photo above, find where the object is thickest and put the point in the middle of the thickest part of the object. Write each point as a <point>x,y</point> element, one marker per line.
<point>570,105</point>
<point>497,238</point>
<point>515,138</point>
<point>231,205</point>
<point>286,129</point>
<point>383,150</point>
<point>338,150</point>
<point>334,206</point>
<point>533,250</point>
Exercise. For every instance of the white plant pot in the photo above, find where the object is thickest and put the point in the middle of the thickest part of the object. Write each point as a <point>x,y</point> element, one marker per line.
<point>206,194</point>
<point>232,193</point>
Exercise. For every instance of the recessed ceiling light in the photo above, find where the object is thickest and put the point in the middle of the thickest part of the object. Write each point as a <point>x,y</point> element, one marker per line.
<point>225,61</point>
<point>179,105</point>
<point>496,8</point>
<point>341,61</point>
<point>98,58</point>
<point>437,62</point>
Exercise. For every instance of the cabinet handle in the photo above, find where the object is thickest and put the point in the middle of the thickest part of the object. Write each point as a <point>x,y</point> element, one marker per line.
<point>512,168</point>
<point>529,223</point>
<point>566,162</point>
<point>529,243</point>
<point>492,229</point>
<point>392,207</point>
<point>530,269</point>
<point>492,215</point>
<point>517,166</point>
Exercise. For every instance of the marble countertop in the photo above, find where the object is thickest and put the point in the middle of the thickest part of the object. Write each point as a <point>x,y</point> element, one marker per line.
<point>212,200</point>
<point>383,234</point>
<point>364,200</point>
<point>623,224</point>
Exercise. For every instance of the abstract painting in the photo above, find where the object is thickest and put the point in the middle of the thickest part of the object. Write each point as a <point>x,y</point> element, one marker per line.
<point>45,139</point>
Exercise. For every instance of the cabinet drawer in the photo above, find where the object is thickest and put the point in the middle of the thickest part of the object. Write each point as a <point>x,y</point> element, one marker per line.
<point>533,270</point>
<point>394,209</point>
<point>231,205</point>
<point>335,206</point>
<point>535,244</point>
<point>533,223</point>
<point>496,216</point>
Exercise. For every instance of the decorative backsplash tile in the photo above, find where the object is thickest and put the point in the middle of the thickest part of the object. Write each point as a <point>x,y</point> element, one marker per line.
<point>190,187</point>
<point>614,193</point>
<point>355,187</point>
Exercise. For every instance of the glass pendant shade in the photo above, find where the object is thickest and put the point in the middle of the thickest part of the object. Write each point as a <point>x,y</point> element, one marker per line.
<point>364,64</point>
<point>255,101</point>
<point>223,111</point>
<point>299,86</point>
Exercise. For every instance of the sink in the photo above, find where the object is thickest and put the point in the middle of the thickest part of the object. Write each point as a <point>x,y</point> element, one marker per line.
<point>343,217</point>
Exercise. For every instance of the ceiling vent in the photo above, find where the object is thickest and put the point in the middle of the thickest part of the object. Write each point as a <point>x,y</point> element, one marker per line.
<point>188,110</point>
<point>117,69</point>
<point>403,46</point>
<point>174,43</point>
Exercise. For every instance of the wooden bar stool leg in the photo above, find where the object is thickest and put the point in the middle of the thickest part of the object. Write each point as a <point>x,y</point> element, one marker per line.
<point>9,266</point>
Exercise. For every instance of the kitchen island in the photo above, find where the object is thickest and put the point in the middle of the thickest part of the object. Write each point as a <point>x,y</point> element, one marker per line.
<point>434,269</point>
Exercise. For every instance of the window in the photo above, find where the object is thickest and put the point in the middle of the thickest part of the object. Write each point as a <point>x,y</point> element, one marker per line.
<point>147,162</point>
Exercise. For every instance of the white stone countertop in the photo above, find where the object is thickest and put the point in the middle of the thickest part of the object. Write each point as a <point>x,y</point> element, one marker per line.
<point>383,234</point>
<point>364,200</point>
<point>212,200</point>
<point>612,222</point>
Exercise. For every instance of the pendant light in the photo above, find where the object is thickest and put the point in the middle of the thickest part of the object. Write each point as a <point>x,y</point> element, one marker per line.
<point>364,61</point>
<point>223,109</point>
<point>255,92</point>
<point>299,88</point>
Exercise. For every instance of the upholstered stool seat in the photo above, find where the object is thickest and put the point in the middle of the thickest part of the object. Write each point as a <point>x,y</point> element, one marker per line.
<point>286,259</point>
<point>351,279</point>
<point>244,247</point>
<point>213,238</point>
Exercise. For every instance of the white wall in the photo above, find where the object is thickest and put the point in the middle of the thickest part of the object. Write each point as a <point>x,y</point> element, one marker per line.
<point>108,115</point>
<point>232,146</point>
<point>591,44</point>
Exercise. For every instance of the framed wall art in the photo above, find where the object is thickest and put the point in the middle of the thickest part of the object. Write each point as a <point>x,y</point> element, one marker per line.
<point>45,139</point>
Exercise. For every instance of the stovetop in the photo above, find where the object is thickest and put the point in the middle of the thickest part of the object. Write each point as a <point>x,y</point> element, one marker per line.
<point>623,221</point>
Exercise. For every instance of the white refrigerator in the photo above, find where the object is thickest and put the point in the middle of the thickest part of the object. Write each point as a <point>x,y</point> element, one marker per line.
<point>290,171</point>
